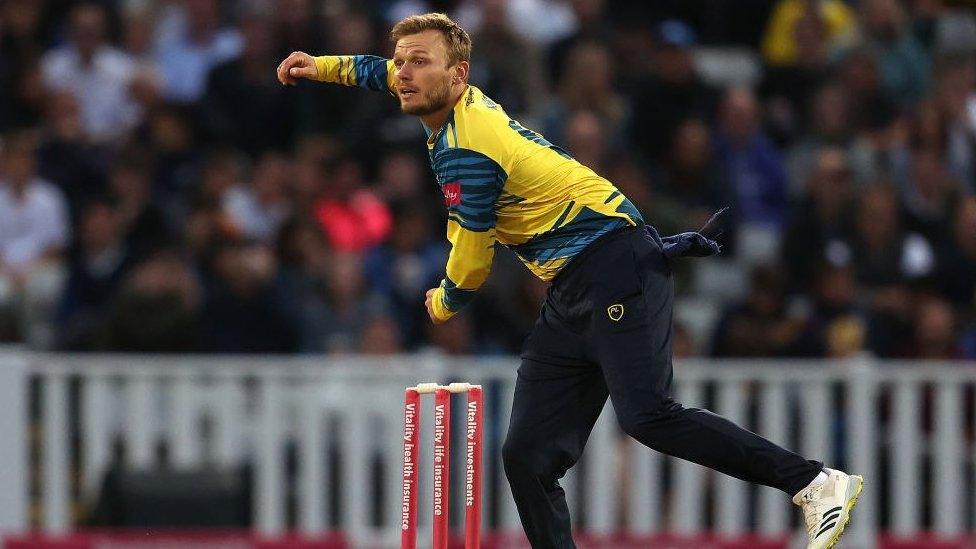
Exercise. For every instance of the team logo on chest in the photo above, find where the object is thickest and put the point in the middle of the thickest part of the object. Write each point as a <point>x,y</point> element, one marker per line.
<point>615,312</point>
<point>452,193</point>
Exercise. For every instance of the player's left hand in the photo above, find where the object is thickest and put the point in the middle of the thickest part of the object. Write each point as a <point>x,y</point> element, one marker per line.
<point>430,307</point>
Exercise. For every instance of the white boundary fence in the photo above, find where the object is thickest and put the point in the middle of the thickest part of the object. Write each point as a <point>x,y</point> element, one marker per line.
<point>858,413</point>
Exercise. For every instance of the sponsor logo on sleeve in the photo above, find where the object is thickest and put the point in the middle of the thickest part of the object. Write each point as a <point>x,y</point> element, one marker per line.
<point>452,194</point>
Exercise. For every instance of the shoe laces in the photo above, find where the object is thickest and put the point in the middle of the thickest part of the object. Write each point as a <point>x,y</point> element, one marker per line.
<point>811,507</point>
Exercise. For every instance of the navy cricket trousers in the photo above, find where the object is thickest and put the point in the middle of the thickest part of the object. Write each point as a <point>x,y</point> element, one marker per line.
<point>605,330</point>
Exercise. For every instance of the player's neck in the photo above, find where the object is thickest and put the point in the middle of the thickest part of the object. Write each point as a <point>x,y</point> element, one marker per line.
<point>435,120</point>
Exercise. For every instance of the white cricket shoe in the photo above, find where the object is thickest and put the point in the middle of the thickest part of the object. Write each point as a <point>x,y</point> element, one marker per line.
<point>827,507</point>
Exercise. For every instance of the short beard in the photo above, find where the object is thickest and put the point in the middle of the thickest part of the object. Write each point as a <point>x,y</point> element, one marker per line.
<point>434,101</point>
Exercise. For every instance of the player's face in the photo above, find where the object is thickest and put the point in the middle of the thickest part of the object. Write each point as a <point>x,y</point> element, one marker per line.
<point>423,73</point>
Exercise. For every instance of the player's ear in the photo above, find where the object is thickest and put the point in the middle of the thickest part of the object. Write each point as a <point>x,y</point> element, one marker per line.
<point>461,72</point>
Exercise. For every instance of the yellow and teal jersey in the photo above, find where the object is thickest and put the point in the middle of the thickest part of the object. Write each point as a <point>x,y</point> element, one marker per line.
<point>502,183</point>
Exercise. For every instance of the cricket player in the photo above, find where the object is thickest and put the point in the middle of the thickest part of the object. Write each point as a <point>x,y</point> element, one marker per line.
<point>605,327</point>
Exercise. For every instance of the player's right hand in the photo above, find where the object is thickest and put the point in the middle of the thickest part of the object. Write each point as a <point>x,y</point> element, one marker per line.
<point>297,65</point>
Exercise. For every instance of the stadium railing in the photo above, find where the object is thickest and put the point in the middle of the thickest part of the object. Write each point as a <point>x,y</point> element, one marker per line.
<point>906,426</point>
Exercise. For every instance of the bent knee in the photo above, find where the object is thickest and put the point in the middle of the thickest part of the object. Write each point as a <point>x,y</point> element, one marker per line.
<point>526,457</point>
<point>516,455</point>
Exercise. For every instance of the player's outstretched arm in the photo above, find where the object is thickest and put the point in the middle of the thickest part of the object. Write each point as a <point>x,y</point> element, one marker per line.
<point>472,183</point>
<point>365,71</point>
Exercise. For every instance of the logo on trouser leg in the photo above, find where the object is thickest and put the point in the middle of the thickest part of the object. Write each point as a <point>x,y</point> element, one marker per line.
<point>615,312</point>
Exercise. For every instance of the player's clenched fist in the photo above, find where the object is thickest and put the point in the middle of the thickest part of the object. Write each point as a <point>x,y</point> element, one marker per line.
<point>297,65</point>
<point>429,303</point>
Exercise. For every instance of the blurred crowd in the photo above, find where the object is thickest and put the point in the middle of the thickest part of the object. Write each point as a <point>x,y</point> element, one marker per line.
<point>161,192</point>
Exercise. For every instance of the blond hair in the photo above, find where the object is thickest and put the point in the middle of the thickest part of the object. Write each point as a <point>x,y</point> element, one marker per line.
<point>457,39</point>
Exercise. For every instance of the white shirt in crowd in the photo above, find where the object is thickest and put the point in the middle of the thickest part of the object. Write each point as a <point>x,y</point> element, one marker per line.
<point>186,64</point>
<point>255,220</point>
<point>101,88</point>
<point>540,22</point>
<point>31,225</point>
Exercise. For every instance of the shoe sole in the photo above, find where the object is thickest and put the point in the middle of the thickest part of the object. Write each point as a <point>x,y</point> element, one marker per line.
<point>858,481</point>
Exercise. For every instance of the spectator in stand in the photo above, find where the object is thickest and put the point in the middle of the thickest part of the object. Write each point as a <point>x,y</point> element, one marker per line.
<point>138,22</point>
<point>34,232</point>
<point>541,22</point>
<point>836,326</point>
<point>955,84</point>
<point>308,179</point>
<point>870,106</point>
<point>23,94</point>
<point>633,179</point>
<point>21,89</point>
<point>243,104</point>
<point>586,139</point>
<point>143,223</point>
<point>296,27</point>
<point>504,315</point>
<point>887,260</point>
<point>351,302</point>
<point>380,337</point>
<point>341,310</point>
<point>156,310</point>
<point>515,85</point>
<point>928,128</point>
<point>358,121</point>
<point>903,64</point>
<point>257,209</point>
<point>953,28</point>
<point>788,87</point>
<point>890,318</point>
<point>97,265</point>
<point>880,245</point>
<point>782,44</point>
<point>634,47</point>
<point>924,19</point>
<point>168,133</point>
<point>98,75</point>
<point>65,156</point>
<point>688,186</point>
<point>759,325</point>
<point>455,338</point>
<point>831,124</point>
<point>675,82</point>
<point>845,338</point>
<point>586,84</point>
<point>591,26</point>
<point>935,330</point>
<point>304,256</point>
<point>819,225</point>
<point>138,19</point>
<point>205,231</point>
<point>402,178</point>
<point>408,263</point>
<point>351,215</point>
<point>928,193</point>
<point>956,258</point>
<point>753,168</point>
<point>223,170</point>
<point>246,308</point>
<point>190,41</point>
